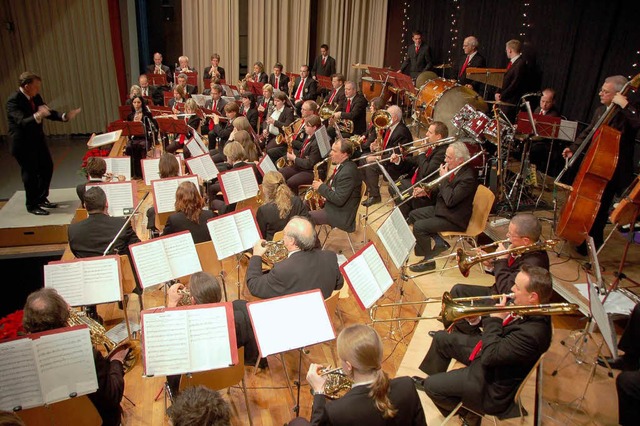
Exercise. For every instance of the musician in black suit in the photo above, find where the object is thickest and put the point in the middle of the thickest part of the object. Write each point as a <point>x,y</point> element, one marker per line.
<point>182,82</point>
<point>452,209</point>
<point>189,215</point>
<point>397,134</point>
<point>301,170</point>
<point>46,310</point>
<point>471,59</point>
<point>249,109</point>
<point>222,129</point>
<point>497,361</point>
<point>336,96</point>
<point>304,89</point>
<point>265,103</point>
<point>147,91</point>
<point>514,82</point>
<point>324,64</point>
<point>373,398</point>
<point>158,68</point>
<point>354,108</point>
<point>306,268</point>
<point>213,70</point>
<point>539,151</point>
<point>278,80</point>
<point>308,109</point>
<point>274,125</point>
<point>183,65</point>
<point>25,112</point>
<point>425,164</point>
<point>216,104</point>
<point>341,191</point>
<point>258,75</point>
<point>418,58</point>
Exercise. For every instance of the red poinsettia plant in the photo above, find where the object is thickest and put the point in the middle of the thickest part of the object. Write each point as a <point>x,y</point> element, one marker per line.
<point>11,326</point>
<point>94,152</point>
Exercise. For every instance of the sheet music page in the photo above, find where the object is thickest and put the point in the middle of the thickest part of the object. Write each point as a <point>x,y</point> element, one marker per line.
<point>68,281</point>
<point>201,100</point>
<point>85,282</point>
<point>378,269</point>
<point>198,139</point>
<point>19,379</point>
<point>208,338</point>
<point>397,238</point>
<point>150,170</point>
<point>232,186</point>
<point>119,197</point>
<point>119,166</point>
<point>166,343</point>
<point>105,138</point>
<point>324,144</point>
<point>290,322</point>
<point>266,165</point>
<point>164,192</point>
<point>65,364</point>
<point>150,261</point>
<point>250,186</point>
<point>119,332</point>
<point>247,228</point>
<point>181,254</point>
<point>368,276</point>
<point>193,147</point>
<point>225,236</point>
<point>203,166</point>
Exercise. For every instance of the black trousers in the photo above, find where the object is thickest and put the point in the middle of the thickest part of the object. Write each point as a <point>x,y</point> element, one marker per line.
<point>36,169</point>
<point>467,290</point>
<point>628,387</point>
<point>426,225</point>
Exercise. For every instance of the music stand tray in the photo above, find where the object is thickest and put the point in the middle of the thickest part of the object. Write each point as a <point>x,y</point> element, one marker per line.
<point>128,128</point>
<point>172,125</point>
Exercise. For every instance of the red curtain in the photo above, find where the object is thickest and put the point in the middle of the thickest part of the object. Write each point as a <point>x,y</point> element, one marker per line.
<point>118,51</point>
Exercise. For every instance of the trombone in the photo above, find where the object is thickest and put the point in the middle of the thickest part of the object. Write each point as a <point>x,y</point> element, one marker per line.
<point>423,144</point>
<point>452,310</point>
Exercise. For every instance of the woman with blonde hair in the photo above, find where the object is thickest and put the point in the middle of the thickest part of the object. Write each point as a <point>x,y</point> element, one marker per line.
<point>373,399</point>
<point>250,150</point>
<point>279,205</point>
<point>190,215</point>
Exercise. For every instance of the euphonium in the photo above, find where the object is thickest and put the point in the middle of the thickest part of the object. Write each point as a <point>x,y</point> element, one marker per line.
<point>381,119</point>
<point>467,260</point>
<point>312,197</point>
<point>337,383</point>
<point>276,251</point>
<point>99,337</point>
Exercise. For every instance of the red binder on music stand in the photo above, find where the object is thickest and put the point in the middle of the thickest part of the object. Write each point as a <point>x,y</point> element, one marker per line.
<point>172,125</point>
<point>255,88</point>
<point>157,79</point>
<point>547,127</point>
<point>124,111</point>
<point>324,82</point>
<point>192,77</point>
<point>159,109</point>
<point>129,128</point>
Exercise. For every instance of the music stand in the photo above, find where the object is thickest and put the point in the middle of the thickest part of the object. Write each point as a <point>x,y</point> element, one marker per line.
<point>255,88</point>
<point>324,82</point>
<point>157,110</point>
<point>192,77</point>
<point>157,79</point>
<point>380,74</point>
<point>206,81</point>
<point>172,126</point>
<point>129,128</point>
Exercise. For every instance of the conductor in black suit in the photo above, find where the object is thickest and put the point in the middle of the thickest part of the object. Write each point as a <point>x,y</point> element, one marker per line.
<point>25,113</point>
<point>324,64</point>
<point>306,268</point>
<point>354,108</point>
<point>341,191</point>
<point>471,59</point>
<point>514,82</point>
<point>418,58</point>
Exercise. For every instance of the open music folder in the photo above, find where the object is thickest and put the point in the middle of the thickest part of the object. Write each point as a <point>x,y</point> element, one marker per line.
<point>188,339</point>
<point>238,184</point>
<point>396,237</point>
<point>203,166</point>
<point>121,196</point>
<point>47,367</point>
<point>103,139</point>
<point>290,322</point>
<point>119,166</point>
<point>87,281</point>
<point>166,258</point>
<point>367,275</point>
<point>164,191</point>
<point>233,232</point>
<point>265,165</point>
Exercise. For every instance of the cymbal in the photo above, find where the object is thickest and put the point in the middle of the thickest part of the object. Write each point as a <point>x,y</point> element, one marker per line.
<point>523,136</point>
<point>360,66</point>
<point>442,66</point>
<point>500,103</point>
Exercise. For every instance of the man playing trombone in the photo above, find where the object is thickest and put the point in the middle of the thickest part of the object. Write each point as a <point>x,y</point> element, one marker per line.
<point>426,163</point>
<point>452,209</point>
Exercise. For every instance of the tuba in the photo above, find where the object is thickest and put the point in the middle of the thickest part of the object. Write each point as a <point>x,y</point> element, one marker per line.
<point>99,338</point>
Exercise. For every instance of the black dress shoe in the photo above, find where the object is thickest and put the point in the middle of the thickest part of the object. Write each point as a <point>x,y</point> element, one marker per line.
<point>38,211</point>
<point>48,205</point>
<point>418,382</point>
<point>424,266</point>
<point>439,248</point>
<point>371,201</point>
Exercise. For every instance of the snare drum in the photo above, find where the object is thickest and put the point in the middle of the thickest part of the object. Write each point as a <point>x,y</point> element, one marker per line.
<point>373,88</point>
<point>491,131</point>
<point>465,114</point>
<point>476,125</point>
<point>440,100</point>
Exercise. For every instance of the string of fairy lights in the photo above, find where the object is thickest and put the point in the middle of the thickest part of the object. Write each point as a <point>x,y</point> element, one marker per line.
<point>526,24</point>
<point>634,66</point>
<point>405,27</point>
<point>453,31</point>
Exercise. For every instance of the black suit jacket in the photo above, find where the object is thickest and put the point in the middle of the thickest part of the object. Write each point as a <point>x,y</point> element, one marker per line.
<point>357,113</point>
<point>91,236</point>
<point>414,63</point>
<point>339,98</point>
<point>327,70</point>
<point>26,134</point>
<point>262,78</point>
<point>107,398</point>
<point>207,70</point>
<point>283,82</point>
<point>477,61</point>
<point>309,91</point>
<point>455,198</point>
<point>178,222</point>
<point>219,106</point>
<point>553,112</point>
<point>286,118</point>
<point>301,271</point>
<point>166,70</point>
<point>514,83</point>
<point>310,156</point>
<point>342,192</point>
<point>269,220</point>
<point>252,116</point>
<point>357,408</point>
<point>401,135</point>
<point>427,165</point>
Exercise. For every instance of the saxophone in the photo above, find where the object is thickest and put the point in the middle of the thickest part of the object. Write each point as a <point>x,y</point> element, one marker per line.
<point>283,161</point>
<point>313,197</point>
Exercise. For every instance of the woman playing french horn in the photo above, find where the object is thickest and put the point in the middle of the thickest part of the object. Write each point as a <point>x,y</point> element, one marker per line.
<point>373,398</point>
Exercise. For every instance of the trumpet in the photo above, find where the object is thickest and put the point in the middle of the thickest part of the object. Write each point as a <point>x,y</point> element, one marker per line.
<point>453,311</point>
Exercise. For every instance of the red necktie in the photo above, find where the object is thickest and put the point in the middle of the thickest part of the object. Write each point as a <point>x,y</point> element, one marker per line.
<point>306,142</point>
<point>348,106</point>
<point>277,84</point>
<point>386,138</point>
<point>414,179</point>
<point>417,48</point>
<point>464,67</point>
<point>509,66</point>
<point>451,177</point>
<point>181,140</point>
<point>324,60</point>
<point>33,104</point>
<point>478,346</point>
<point>299,91</point>
<point>335,171</point>
<point>511,260</point>
<point>333,95</point>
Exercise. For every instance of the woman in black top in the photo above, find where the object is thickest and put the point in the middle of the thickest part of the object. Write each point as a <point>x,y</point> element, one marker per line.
<point>137,145</point>
<point>189,215</point>
<point>279,205</point>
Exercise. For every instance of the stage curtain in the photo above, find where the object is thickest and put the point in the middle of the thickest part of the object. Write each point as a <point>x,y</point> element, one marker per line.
<point>354,31</point>
<point>278,32</point>
<point>211,27</point>
<point>67,43</point>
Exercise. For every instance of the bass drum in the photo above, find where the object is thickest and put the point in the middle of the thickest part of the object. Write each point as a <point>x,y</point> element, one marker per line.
<point>441,100</point>
<point>373,88</point>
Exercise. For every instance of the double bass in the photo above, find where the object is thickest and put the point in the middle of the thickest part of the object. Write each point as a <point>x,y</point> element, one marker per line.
<point>597,169</point>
